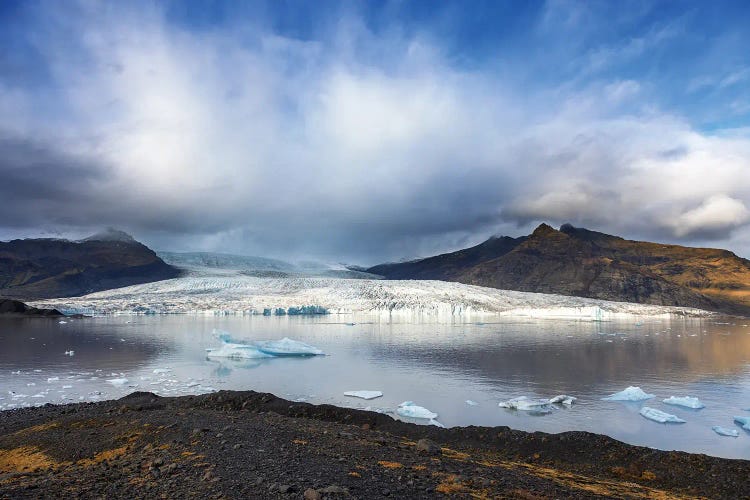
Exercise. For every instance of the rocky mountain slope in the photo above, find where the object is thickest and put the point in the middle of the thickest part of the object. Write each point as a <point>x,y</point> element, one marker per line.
<point>579,262</point>
<point>47,268</point>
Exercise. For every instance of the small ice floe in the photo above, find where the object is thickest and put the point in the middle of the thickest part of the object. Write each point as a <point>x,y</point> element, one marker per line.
<point>70,353</point>
<point>63,322</point>
<point>629,394</point>
<point>67,387</point>
<point>660,416</point>
<point>52,379</point>
<point>159,371</point>
<point>192,384</point>
<point>118,381</point>
<point>409,410</point>
<point>30,384</point>
<point>744,422</point>
<point>523,403</point>
<point>686,401</point>
<point>288,347</point>
<point>723,431</point>
<point>364,394</point>
<point>471,403</point>
<point>564,399</point>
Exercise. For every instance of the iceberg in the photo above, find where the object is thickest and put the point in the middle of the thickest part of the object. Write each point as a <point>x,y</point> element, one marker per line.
<point>723,431</point>
<point>288,347</point>
<point>364,394</point>
<point>52,379</point>
<point>237,351</point>
<point>629,394</point>
<point>118,381</point>
<point>660,416</point>
<point>744,422</point>
<point>523,403</point>
<point>686,401</point>
<point>410,410</point>
<point>564,399</point>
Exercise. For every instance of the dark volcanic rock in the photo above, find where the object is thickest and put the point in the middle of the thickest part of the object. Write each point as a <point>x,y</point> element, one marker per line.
<point>15,308</point>
<point>579,262</point>
<point>50,268</point>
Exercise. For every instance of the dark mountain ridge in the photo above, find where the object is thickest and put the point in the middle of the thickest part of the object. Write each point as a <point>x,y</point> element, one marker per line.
<point>579,262</point>
<point>50,268</point>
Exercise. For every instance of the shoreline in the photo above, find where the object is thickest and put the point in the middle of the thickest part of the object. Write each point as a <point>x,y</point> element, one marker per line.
<point>233,444</point>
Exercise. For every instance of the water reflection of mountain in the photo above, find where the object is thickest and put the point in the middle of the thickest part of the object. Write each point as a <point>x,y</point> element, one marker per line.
<point>574,355</point>
<point>34,343</point>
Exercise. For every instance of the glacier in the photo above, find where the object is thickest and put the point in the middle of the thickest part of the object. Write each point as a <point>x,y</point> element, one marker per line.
<point>686,401</point>
<point>629,394</point>
<point>660,416</point>
<point>215,291</point>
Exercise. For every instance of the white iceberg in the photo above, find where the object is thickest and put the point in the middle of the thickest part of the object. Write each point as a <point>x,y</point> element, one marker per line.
<point>288,347</point>
<point>118,381</point>
<point>70,353</point>
<point>409,410</point>
<point>629,394</point>
<point>237,351</point>
<point>723,431</point>
<point>564,399</point>
<point>744,422</point>
<point>523,403</point>
<point>160,371</point>
<point>660,416</point>
<point>52,379</point>
<point>364,394</point>
<point>686,401</point>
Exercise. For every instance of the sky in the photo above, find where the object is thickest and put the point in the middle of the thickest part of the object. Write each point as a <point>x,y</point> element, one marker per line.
<point>364,132</point>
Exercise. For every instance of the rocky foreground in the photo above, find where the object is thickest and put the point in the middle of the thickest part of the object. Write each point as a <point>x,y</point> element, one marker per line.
<point>248,444</point>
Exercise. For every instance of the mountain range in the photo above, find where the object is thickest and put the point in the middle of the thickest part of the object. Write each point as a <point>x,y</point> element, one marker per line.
<point>49,268</point>
<point>580,262</point>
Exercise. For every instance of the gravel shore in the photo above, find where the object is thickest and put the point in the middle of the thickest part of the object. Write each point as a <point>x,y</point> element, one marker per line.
<point>248,444</point>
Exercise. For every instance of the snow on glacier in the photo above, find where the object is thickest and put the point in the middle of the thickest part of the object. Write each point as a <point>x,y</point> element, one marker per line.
<point>220,291</point>
<point>686,401</point>
<point>629,394</point>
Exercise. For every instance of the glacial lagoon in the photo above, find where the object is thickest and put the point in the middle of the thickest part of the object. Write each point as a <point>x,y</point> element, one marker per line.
<point>439,366</point>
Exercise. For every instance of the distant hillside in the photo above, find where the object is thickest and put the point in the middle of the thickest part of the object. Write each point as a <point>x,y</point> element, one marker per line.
<point>49,268</point>
<point>579,262</point>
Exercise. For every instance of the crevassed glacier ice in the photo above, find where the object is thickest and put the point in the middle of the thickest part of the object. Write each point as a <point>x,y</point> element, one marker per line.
<point>744,422</point>
<point>723,431</point>
<point>660,416</point>
<point>630,394</point>
<point>686,401</point>
<point>523,403</point>
<point>364,394</point>
<point>288,347</point>
<point>409,410</point>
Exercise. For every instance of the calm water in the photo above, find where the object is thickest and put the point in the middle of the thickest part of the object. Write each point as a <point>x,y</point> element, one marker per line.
<point>436,366</point>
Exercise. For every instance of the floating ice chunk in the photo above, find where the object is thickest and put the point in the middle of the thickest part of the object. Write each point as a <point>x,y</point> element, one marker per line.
<point>62,322</point>
<point>159,371</point>
<point>660,416</point>
<point>118,381</point>
<point>562,398</point>
<point>70,353</point>
<point>410,410</point>
<point>471,403</point>
<point>434,422</point>
<point>288,347</point>
<point>744,422</point>
<point>193,384</point>
<point>52,379</point>
<point>237,351</point>
<point>364,394</point>
<point>523,403</point>
<point>629,394</point>
<point>67,387</point>
<point>686,401</point>
<point>723,431</point>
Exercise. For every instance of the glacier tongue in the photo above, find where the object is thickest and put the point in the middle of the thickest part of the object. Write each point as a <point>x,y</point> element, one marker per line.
<point>221,292</point>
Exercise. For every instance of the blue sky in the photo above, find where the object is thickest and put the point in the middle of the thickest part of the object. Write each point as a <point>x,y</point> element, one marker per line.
<point>367,131</point>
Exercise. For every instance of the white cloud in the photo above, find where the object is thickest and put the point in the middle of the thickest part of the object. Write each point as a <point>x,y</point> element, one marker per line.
<point>716,213</point>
